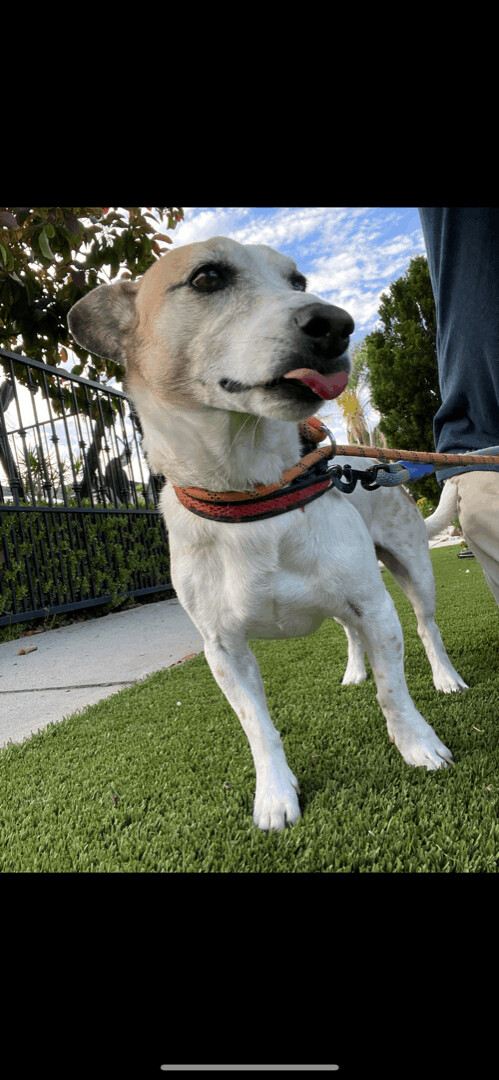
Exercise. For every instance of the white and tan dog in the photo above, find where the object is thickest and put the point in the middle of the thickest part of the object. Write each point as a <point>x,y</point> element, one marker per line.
<point>225,351</point>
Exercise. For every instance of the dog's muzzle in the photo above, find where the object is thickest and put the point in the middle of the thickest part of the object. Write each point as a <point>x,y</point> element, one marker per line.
<point>322,335</point>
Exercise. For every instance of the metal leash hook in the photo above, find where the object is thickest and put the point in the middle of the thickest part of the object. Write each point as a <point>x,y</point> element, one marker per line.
<point>337,471</point>
<point>331,439</point>
<point>394,474</point>
<point>370,479</point>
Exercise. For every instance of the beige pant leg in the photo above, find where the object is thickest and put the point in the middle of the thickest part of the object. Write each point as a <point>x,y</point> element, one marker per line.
<point>478,513</point>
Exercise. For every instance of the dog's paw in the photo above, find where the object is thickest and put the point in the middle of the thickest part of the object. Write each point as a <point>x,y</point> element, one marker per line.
<point>426,749</point>
<point>276,800</point>
<point>354,673</point>
<point>449,682</point>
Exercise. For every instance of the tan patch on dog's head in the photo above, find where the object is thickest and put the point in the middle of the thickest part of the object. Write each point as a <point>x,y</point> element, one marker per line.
<point>120,322</point>
<point>170,270</point>
<point>149,351</point>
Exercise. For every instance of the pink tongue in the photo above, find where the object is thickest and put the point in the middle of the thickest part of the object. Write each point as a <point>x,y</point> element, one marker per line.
<point>325,386</point>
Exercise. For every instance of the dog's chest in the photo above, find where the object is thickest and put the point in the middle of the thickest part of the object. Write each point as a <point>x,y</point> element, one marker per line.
<point>268,578</point>
<point>290,597</point>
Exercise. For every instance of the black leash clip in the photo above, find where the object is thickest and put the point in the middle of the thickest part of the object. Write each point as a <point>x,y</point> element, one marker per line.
<point>393,475</point>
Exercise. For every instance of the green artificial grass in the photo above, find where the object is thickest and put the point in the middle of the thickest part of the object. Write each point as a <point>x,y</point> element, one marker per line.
<point>159,777</point>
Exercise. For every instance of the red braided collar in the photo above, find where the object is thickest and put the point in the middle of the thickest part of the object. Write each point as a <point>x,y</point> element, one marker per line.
<point>299,485</point>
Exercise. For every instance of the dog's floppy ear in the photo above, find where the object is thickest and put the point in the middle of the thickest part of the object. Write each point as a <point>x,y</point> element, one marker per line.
<point>100,321</point>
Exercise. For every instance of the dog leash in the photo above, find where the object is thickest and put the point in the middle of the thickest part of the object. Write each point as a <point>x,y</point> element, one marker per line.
<point>312,476</point>
<point>416,463</point>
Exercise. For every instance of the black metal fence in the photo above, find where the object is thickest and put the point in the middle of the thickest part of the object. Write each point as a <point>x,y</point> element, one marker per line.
<point>79,523</point>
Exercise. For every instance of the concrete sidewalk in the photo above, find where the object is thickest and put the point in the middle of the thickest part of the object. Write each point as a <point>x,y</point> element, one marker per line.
<point>75,666</point>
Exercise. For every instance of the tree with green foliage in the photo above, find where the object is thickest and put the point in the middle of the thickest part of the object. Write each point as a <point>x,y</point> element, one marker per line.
<point>401,360</point>
<point>51,256</point>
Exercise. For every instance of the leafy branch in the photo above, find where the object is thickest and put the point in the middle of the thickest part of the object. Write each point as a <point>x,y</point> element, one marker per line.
<point>51,256</point>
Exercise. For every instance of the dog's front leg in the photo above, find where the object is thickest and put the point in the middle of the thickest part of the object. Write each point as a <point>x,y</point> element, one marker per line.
<point>238,676</point>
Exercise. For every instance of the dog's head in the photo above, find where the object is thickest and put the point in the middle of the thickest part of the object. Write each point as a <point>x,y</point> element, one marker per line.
<point>221,324</point>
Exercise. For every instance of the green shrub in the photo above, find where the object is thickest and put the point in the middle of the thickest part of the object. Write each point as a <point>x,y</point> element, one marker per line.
<point>49,559</point>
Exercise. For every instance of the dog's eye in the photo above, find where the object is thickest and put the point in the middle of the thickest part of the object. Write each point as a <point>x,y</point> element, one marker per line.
<point>299,282</point>
<point>208,279</point>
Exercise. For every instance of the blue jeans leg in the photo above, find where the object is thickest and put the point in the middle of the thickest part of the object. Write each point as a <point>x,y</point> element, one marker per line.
<point>462,244</point>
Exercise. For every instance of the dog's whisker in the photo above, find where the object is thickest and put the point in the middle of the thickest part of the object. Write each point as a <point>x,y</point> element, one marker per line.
<point>259,420</point>
<point>240,429</point>
<point>250,340</point>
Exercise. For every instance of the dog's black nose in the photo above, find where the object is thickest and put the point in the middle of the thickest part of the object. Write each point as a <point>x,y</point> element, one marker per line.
<point>327,327</point>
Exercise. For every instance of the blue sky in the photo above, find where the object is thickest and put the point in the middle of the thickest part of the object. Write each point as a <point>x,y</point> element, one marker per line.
<point>349,254</point>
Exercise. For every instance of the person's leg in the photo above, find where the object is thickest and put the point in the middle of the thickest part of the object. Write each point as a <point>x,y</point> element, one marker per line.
<point>462,245</point>
<point>478,512</point>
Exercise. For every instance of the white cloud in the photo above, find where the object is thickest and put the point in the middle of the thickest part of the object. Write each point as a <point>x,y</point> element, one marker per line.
<point>215,221</point>
<point>275,226</point>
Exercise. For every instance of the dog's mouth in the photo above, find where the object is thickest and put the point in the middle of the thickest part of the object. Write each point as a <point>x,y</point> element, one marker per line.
<point>307,383</point>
